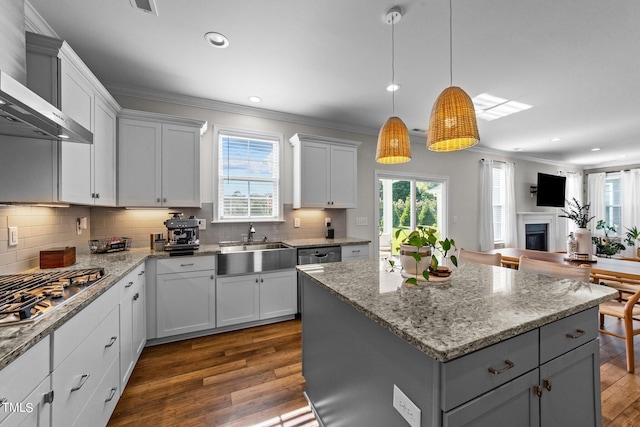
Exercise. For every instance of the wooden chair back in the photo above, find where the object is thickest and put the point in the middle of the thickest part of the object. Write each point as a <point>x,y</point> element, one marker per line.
<point>581,272</point>
<point>480,257</point>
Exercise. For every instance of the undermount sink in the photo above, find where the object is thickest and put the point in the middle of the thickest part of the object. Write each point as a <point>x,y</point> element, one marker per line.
<point>246,258</point>
<point>226,248</point>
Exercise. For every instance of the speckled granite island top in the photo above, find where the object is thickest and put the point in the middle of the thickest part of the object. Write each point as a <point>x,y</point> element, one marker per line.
<point>478,306</point>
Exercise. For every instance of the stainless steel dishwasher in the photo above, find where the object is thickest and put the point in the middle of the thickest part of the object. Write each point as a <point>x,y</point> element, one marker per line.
<point>319,255</point>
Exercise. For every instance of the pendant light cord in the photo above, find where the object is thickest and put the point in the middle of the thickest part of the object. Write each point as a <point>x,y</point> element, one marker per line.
<point>393,70</point>
<point>450,43</point>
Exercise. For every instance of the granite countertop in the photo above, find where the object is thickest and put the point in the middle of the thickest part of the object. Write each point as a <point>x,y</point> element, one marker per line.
<point>479,305</point>
<point>319,242</point>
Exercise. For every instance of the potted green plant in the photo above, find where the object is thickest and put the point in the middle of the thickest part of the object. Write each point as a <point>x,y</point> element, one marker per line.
<point>605,245</point>
<point>579,214</point>
<point>632,235</point>
<point>418,253</point>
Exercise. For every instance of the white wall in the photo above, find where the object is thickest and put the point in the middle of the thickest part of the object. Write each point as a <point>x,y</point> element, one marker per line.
<point>463,168</point>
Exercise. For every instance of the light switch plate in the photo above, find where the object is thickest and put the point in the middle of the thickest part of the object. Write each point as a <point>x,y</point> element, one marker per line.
<point>202,224</point>
<point>296,222</point>
<point>13,236</point>
<point>362,220</point>
<point>409,411</point>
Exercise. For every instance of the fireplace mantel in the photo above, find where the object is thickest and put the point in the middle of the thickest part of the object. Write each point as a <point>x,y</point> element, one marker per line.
<point>548,218</point>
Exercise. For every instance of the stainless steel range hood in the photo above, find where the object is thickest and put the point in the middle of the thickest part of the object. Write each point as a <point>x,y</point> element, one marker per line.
<point>25,114</point>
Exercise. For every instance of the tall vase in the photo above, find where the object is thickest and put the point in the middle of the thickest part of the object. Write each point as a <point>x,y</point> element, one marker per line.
<point>583,238</point>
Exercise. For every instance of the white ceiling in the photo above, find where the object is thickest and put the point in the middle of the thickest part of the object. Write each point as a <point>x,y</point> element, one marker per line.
<point>577,62</point>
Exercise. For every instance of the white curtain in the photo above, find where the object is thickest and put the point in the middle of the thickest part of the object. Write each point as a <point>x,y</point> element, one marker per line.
<point>573,191</point>
<point>630,183</point>
<point>510,226</point>
<point>486,205</point>
<point>595,190</point>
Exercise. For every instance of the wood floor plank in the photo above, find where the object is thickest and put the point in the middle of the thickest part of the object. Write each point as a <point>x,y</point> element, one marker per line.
<point>253,377</point>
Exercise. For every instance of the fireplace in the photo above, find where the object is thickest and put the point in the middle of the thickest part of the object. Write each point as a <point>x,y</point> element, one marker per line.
<point>536,237</point>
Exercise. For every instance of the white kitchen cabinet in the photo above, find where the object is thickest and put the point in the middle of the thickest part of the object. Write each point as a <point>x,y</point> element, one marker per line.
<point>133,331</point>
<point>351,252</point>
<point>158,160</point>
<point>247,298</point>
<point>25,388</point>
<point>185,295</point>
<point>324,172</point>
<point>86,172</point>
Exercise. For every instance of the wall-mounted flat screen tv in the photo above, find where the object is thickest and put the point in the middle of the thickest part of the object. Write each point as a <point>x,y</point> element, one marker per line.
<point>551,190</point>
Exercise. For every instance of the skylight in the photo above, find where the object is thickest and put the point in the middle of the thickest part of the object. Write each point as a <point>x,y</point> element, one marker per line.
<point>489,107</point>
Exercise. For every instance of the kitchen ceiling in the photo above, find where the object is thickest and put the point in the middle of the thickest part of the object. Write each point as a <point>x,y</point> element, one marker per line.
<point>577,62</point>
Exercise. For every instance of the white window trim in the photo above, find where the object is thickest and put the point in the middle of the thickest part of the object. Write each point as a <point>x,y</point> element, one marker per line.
<point>248,133</point>
<point>382,174</point>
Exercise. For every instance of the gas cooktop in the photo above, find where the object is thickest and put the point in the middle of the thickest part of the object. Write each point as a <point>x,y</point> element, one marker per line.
<point>29,297</point>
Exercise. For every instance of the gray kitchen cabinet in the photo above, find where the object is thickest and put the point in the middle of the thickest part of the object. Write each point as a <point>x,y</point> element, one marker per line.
<point>324,172</point>
<point>252,297</point>
<point>185,295</point>
<point>133,333</point>
<point>26,402</point>
<point>351,252</point>
<point>158,160</point>
<point>86,173</point>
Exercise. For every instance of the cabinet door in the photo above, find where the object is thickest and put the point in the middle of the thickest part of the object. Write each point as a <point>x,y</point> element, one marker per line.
<point>104,155</point>
<point>512,404</point>
<point>314,175</point>
<point>185,302</point>
<point>344,177</point>
<point>574,383</point>
<point>126,338</point>
<point>139,166</point>
<point>180,166</point>
<point>278,294</point>
<point>139,321</point>
<point>238,299</point>
<point>33,411</point>
<point>75,159</point>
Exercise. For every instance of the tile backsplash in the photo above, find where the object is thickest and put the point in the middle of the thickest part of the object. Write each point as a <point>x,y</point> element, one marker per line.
<point>42,228</point>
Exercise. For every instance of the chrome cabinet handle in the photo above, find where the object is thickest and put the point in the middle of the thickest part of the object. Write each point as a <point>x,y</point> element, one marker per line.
<point>164,200</point>
<point>186,265</point>
<point>97,195</point>
<point>256,280</point>
<point>3,400</point>
<point>579,333</point>
<point>537,390</point>
<point>113,393</point>
<point>547,383</point>
<point>83,380</point>
<point>128,285</point>
<point>111,342</point>
<point>141,273</point>
<point>495,371</point>
<point>158,200</point>
<point>136,296</point>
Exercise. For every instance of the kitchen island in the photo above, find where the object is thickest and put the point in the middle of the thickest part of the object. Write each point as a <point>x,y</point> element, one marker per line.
<point>489,346</point>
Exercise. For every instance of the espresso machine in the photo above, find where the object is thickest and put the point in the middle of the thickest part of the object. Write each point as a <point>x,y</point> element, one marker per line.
<point>182,234</point>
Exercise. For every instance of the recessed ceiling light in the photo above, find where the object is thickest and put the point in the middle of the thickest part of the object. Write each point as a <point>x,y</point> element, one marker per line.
<point>622,156</point>
<point>518,149</point>
<point>556,139</point>
<point>489,107</point>
<point>255,99</point>
<point>216,40</point>
<point>393,87</point>
<point>595,149</point>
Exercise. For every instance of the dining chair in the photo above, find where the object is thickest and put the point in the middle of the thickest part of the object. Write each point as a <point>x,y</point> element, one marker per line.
<point>628,311</point>
<point>555,269</point>
<point>480,257</point>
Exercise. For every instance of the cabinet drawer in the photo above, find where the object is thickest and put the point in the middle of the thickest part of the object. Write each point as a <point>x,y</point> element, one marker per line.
<point>476,373</point>
<point>566,334</point>
<point>186,264</point>
<point>355,252</point>
<point>24,374</point>
<point>103,401</point>
<point>75,380</point>
<point>129,282</point>
<point>69,336</point>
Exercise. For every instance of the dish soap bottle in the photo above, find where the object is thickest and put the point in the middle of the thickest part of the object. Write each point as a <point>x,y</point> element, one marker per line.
<point>572,244</point>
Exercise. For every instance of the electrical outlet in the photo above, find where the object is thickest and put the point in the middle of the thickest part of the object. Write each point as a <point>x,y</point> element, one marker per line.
<point>409,411</point>
<point>296,222</point>
<point>13,236</point>
<point>327,222</point>
<point>362,220</point>
<point>202,224</point>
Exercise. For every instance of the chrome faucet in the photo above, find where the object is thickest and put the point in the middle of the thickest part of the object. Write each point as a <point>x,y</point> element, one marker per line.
<point>252,232</point>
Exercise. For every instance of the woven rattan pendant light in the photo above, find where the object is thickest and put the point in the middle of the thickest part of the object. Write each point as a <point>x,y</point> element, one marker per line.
<point>394,145</point>
<point>452,125</point>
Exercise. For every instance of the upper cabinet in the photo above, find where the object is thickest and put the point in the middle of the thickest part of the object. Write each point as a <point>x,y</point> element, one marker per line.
<point>158,160</point>
<point>325,173</point>
<point>86,173</point>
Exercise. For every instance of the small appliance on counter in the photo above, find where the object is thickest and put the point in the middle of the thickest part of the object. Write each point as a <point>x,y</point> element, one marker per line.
<point>182,234</point>
<point>330,232</point>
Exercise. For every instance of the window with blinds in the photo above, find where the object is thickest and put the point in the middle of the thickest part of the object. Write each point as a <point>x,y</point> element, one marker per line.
<point>248,176</point>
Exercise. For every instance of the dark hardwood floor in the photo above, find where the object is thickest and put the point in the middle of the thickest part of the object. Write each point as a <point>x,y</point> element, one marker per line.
<point>253,378</point>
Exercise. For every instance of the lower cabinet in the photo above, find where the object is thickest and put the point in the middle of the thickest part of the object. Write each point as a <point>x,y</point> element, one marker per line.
<point>185,299</point>
<point>132,321</point>
<point>247,298</point>
<point>351,252</point>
